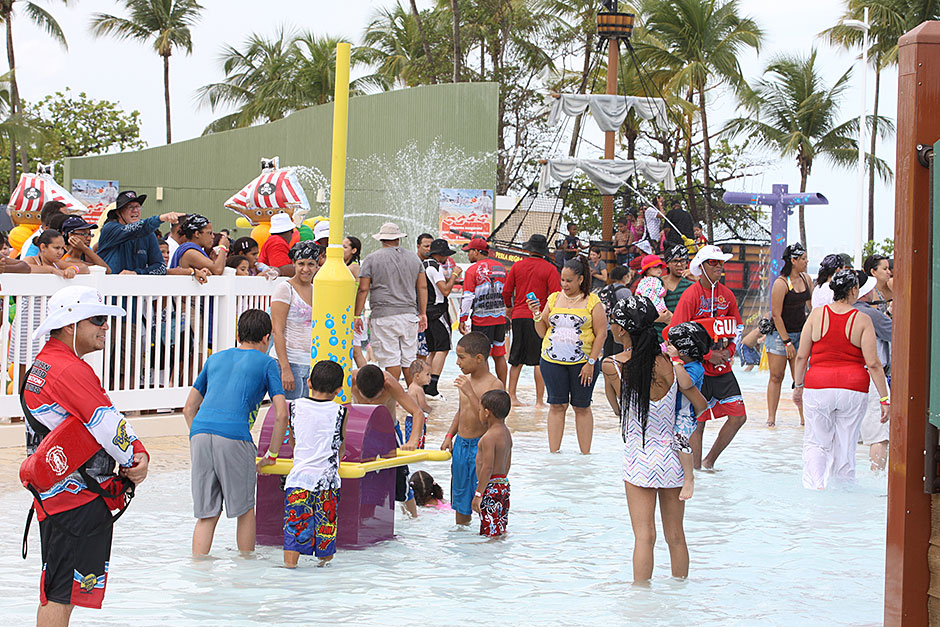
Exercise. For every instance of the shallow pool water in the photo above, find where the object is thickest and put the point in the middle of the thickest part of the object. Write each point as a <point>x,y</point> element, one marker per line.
<point>764,552</point>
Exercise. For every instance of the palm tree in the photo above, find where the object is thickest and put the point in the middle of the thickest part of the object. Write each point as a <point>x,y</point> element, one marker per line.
<point>458,55</point>
<point>700,42</point>
<point>46,22</point>
<point>889,19</point>
<point>796,116</point>
<point>166,22</point>
<point>398,47</point>
<point>267,79</point>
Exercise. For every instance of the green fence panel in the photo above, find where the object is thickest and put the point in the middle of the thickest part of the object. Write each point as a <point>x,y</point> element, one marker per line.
<point>934,400</point>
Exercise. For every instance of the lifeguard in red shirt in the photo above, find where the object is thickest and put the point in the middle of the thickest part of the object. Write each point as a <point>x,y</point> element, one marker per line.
<point>63,397</point>
<point>710,299</point>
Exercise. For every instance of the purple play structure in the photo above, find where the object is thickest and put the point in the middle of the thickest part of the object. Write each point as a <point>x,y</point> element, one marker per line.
<point>366,505</point>
<point>781,204</point>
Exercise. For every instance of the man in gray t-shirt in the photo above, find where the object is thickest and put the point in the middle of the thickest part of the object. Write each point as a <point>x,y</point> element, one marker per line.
<point>393,279</point>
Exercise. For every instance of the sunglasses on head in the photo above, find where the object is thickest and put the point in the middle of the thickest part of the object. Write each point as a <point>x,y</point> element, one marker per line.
<point>98,321</point>
<point>714,262</point>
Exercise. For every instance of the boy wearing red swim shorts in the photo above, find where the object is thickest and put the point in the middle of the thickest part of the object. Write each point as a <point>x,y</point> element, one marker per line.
<point>494,455</point>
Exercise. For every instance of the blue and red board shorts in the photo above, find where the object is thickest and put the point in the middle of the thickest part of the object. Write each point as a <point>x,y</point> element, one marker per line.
<point>310,521</point>
<point>494,507</point>
<point>723,395</point>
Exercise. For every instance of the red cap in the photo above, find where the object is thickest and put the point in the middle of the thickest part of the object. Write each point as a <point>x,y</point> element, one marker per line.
<point>477,243</point>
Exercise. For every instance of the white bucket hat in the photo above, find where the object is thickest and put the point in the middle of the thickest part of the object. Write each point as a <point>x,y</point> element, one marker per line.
<point>281,223</point>
<point>707,252</point>
<point>865,288</point>
<point>389,231</point>
<point>73,304</point>
<point>321,229</point>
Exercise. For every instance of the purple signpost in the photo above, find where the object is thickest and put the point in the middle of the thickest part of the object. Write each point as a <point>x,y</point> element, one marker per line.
<point>366,512</point>
<point>781,204</point>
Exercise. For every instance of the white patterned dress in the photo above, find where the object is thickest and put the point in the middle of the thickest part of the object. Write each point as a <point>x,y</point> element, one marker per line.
<point>655,462</point>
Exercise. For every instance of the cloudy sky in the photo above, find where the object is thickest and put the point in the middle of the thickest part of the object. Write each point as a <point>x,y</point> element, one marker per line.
<point>131,74</point>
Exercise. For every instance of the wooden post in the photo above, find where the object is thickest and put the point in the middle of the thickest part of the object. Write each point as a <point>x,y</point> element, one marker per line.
<point>906,573</point>
<point>607,202</point>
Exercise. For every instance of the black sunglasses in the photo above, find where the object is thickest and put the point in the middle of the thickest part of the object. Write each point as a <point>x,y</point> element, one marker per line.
<point>98,321</point>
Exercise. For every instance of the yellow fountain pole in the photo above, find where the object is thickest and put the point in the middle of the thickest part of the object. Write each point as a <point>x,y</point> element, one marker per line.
<point>334,289</point>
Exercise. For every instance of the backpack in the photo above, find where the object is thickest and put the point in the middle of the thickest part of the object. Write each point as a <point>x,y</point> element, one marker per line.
<point>434,310</point>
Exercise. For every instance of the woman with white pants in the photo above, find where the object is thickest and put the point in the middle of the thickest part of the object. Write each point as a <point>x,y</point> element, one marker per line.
<point>839,345</point>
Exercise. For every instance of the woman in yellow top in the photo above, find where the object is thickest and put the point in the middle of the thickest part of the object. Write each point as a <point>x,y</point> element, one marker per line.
<point>573,328</point>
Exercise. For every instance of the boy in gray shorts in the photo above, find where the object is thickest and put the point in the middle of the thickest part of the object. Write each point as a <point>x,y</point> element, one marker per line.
<point>220,411</point>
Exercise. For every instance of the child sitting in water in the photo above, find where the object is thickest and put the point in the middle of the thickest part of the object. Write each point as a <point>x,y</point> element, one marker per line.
<point>373,386</point>
<point>427,492</point>
<point>466,429</point>
<point>494,455</point>
<point>311,489</point>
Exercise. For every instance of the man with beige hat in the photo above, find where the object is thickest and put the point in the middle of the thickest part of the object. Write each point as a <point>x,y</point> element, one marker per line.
<point>393,279</point>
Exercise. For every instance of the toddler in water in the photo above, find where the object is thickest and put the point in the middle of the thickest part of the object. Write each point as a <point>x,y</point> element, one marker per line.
<point>420,376</point>
<point>689,342</point>
<point>651,268</point>
<point>427,492</point>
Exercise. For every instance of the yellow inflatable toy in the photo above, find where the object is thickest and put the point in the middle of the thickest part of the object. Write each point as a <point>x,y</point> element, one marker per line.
<point>351,470</point>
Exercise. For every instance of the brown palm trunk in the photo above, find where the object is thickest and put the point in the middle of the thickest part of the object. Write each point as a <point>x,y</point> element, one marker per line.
<point>706,162</point>
<point>871,170</point>
<point>14,96</point>
<point>424,40</point>
<point>166,95</point>
<point>804,174</point>
<point>455,9</point>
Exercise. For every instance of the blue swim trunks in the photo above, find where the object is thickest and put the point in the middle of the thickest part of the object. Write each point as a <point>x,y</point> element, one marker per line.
<point>463,474</point>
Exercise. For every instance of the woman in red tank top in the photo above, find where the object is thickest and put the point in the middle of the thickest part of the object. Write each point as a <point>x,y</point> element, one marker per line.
<point>840,348</point>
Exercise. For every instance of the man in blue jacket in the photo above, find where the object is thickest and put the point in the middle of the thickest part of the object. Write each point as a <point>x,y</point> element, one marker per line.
<point>128,244</point>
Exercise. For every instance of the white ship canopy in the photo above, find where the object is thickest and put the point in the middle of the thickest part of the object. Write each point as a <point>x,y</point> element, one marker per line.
<point>609,111</point>
<point>607,174</point>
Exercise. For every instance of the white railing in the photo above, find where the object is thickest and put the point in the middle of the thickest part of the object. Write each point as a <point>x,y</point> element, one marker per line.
<point>151,356</point>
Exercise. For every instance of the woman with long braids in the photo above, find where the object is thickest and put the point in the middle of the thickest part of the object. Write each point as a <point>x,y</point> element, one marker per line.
<point>642,386</point>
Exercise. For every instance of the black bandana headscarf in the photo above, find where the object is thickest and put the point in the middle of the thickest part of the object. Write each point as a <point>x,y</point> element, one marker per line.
<point>634,314</point>
<point>842,283</point>
<point>690,339</point>
<point>305,250</point>
<point>192,224</point>
<point>677,252</point>
<point>793,251</point>
<point>831,263</point>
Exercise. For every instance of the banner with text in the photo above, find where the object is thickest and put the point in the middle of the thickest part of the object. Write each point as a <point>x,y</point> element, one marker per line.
<point>466,213</point>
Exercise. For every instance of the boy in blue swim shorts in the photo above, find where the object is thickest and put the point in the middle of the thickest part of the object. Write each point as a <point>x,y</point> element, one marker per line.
<point>466,429</point>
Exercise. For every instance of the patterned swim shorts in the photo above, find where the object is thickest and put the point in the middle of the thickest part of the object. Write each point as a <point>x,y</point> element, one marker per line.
<point>494,507</point>
<point>310,521</point>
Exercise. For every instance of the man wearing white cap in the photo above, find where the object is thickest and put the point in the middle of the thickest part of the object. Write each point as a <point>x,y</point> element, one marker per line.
<point>705,300</point>
<point>321,233</point>
<point>393,279</point>
<point>75,520</point>
<point>275,252</point>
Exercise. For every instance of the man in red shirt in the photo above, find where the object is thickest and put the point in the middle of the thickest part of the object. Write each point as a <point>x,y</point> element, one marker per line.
<point>705,299</point>
<point>75,521</point>
<point>483,296</point>
<point>274,251</point>
<point>533,275</point>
